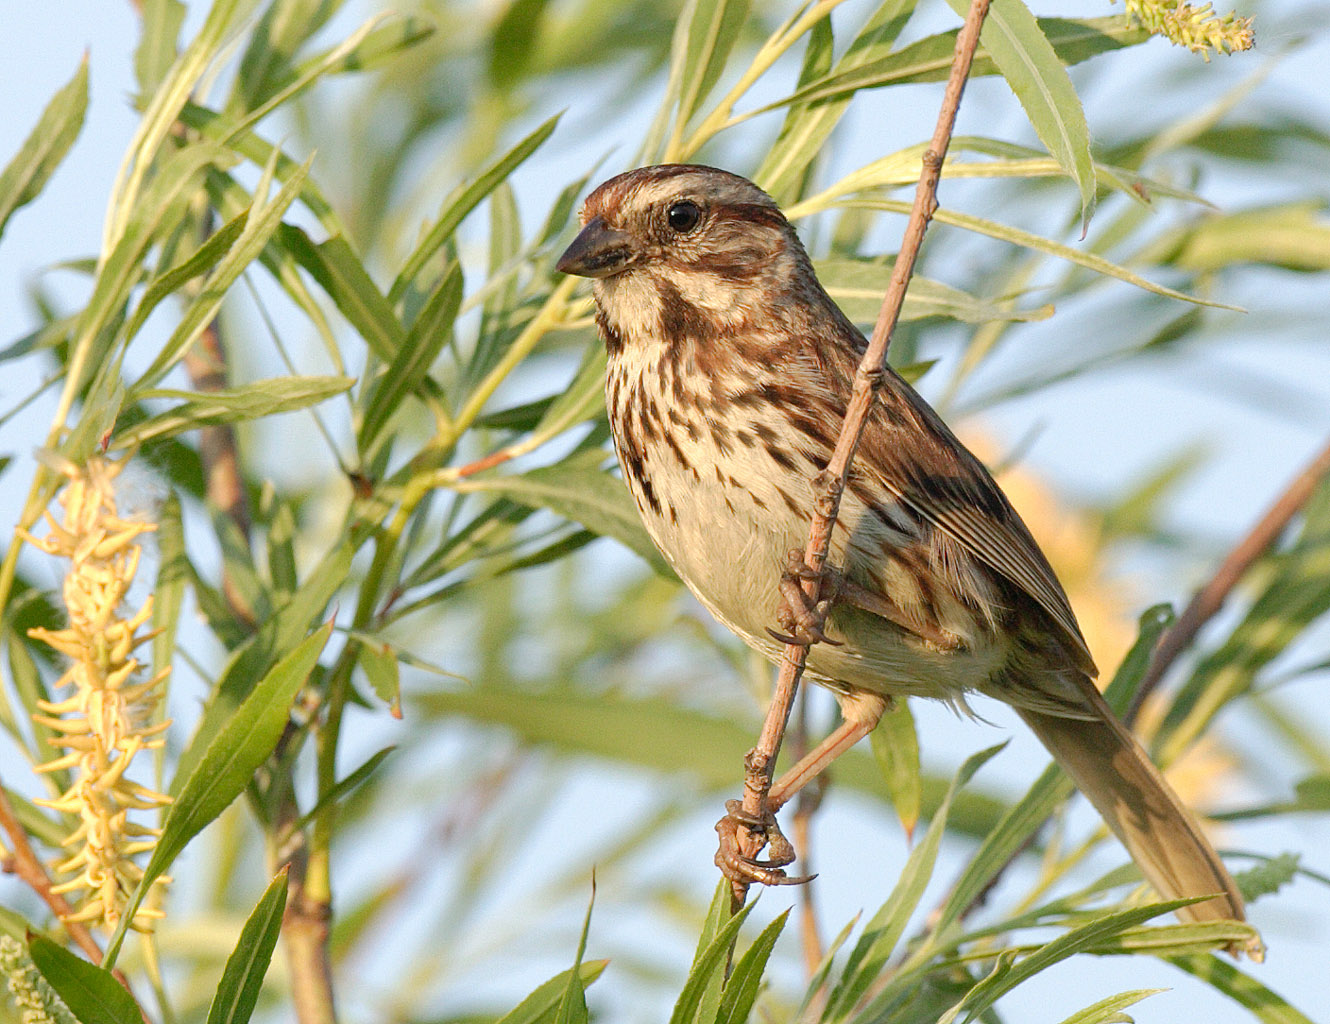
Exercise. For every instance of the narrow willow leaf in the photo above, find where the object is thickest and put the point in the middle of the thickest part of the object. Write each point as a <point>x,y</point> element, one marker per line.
<point>809,124</point>
<point>259,228</point>
<point>572,1004</point>
<point>884,931</point>
<point>929,60</point>
<point>896,747</point>
<point>581,400</point>
<point>343,788</point>
<point>1008,974</point>
<point>545,999</point>
<point>222,129</point>
<point>745,981</point>
<point>717,915</point>
<point>858,285</point>
<point>238,991</point>
<point>421,346</point>
<point>228,764</point>
<point>384,39</point>
<point>1293,236</point>
<point>712,30</point>
<point>661,736</point>
<point>172,577</point>
<point>1265,1004</point>
<point>381,668</point>
<point>251,661</point>
<point>203,259</point>
<point>341,273</point>
<point>90,992</point>
<point>1006,233</point>
<point>699,1000</point>
<point>460,203</point>
<point>577,489</point>
<point>1180,939</point>
<point>513,40</point>
<point>207,408</point>
<point>1109,1011</point>
<point>159,42</point>
<point>159,118</point>
<point>1031,66</point>
<point>27,173</point>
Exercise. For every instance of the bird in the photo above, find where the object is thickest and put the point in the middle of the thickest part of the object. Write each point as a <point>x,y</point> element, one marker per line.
<point>729,372</point>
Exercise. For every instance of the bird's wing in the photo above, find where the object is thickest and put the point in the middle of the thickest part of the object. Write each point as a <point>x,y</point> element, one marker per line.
<point>927,468</point>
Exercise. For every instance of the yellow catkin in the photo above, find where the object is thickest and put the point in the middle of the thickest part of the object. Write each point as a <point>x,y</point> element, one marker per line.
<point>1198,28</point>
<point>108,718</point>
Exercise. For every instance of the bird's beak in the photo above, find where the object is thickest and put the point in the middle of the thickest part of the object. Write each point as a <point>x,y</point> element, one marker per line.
<point>598,251</point>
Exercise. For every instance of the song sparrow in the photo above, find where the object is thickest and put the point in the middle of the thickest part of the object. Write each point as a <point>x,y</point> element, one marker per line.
<point>729,372</point>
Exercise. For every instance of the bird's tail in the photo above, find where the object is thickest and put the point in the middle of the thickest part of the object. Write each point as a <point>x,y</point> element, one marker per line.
<point>1109,766</point>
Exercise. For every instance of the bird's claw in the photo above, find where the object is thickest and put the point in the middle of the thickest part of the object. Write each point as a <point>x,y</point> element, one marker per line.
<point>742,869</point>
<point>801,620</point>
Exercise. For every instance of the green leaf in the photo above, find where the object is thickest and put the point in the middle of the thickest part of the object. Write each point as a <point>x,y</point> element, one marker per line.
<point>1007,975</point>
<point>229,763</point>
<point>379,661</point>
<point>712,28</point>
<point>238,991</point>
<point>46,145</point>
<point>203,259</point>
<point>341,273</point>
<point>263,221</point>
<point>536,1008</point>
<point>251,661</point>
<point>342,788</point>
<point>463,200</point>
<point>1109,1011</point>
<point>858,287</point>
<point>572,1004</point>
<point>513,41</point>
<point>1264,1003</point>
<point>91,993</point>
<point>929,60</point>
<point>1268,876</point>
<point>896,748</point>
<point>159,42</point>
<point>429,332</point>
<point>699,1000</point>
<point>809,124</point>
<point>208,408</point>
<point>1029,240</point>
<point>577,489</point>
<point>884,931</point>
<point>745,981</point>
<point>1031,66</point>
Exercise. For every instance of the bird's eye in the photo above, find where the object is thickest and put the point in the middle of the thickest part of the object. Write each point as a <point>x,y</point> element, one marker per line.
<point>684,216</point>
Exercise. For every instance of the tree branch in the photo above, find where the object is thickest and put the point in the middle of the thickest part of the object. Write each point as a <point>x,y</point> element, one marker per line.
<point>1211,597</point>
<point>830,484</point>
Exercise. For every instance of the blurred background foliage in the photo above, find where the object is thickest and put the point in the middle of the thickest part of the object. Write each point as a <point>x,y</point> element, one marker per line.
<point>324,319</point>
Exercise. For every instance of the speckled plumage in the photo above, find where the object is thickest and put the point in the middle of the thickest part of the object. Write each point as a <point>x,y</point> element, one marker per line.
<point>729,371</point>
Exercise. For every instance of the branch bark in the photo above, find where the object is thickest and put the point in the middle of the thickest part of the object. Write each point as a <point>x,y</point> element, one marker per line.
<point>1211,597</point>
<point>830,484</point>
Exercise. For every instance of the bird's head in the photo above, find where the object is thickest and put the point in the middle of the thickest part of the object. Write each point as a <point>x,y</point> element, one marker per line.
<point>680,244</point>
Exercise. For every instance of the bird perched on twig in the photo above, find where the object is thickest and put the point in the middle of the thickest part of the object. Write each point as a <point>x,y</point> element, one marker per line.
<point>729,372</point>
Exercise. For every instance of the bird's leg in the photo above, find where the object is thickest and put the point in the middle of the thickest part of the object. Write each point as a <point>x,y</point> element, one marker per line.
<point>861,711</point>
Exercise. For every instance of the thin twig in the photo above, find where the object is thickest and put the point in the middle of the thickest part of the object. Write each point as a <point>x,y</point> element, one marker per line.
<point>24,863</point>
<point>830,483</point>
<point>1211,597</point>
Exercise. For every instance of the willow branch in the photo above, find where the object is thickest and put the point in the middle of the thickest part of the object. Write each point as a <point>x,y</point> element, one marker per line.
<point>1211,597</point>
<point>830,483</point>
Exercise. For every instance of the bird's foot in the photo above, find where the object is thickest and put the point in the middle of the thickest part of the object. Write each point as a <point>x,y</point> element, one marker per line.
<point>801,619</point>
<point>740,868</point>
